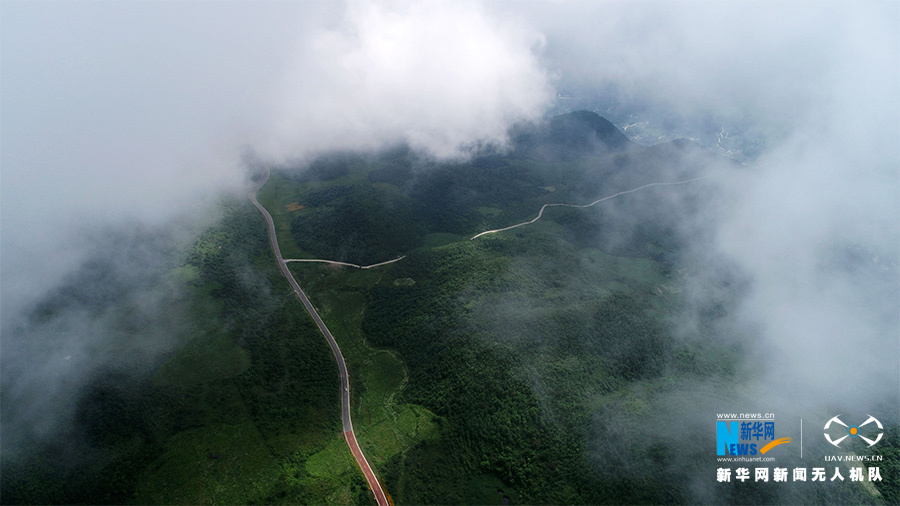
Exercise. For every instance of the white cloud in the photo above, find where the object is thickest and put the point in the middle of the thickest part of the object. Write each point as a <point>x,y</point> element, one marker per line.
<point>134,109</point>
<point>118,114</point>
<point>439,75</point>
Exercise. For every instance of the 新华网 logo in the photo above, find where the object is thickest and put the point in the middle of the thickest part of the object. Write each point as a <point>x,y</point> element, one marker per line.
<point>853,431</point>
<point>746,437</point>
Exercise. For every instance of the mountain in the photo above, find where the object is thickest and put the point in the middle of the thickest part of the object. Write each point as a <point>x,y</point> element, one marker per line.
<point>398,199</point>
<point>539,364</point>
<point>569,136</point>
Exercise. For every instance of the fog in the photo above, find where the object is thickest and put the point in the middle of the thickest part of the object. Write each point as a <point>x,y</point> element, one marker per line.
<point>119,113</point>
<point>113,112</point>
<point>827,184</point>
<point>804,242</point>
<point>118,116</point>
<point>440,76</point>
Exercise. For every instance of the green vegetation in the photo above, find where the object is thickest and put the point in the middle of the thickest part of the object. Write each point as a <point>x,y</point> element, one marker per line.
<point>276,196</point>
<point>221,463</point>
<point>385,427</point>
<point>234,415</point>
<point>363,224</point>
<point>514,365</point>
<point>529,366</point>
<point>528,350</point>
<point>209,356</point>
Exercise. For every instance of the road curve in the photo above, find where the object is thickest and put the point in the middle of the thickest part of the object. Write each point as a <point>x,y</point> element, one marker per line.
<point>335,262</point>
<point>545,206</point>
<point>349,435</point>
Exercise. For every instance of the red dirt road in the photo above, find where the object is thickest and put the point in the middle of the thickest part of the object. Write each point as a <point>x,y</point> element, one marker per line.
<point>364,465</point>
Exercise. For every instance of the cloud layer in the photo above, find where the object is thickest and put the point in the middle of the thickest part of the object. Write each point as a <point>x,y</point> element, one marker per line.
<point>133,116</point>
<point>815,223</point>
<point>137,111</point>
<point>140,110</point>
<point>438,75</point>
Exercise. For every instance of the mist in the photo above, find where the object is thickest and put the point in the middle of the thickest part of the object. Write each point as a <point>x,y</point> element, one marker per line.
<point>117,114</point>
<point>120,112</point>
<point>141,110</point>
<point>439,76</point>
<point>125,117</point>
<point>815,222</point>
<point>802,245</point>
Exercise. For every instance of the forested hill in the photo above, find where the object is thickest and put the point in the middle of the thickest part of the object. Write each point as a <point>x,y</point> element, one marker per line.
<point>570,135</point>
<point>547,353</point>
<point>368,208</point>
<point>536,365</point>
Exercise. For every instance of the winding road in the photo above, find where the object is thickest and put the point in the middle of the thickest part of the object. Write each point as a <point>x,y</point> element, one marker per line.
<point>335,262</point>
<point>349,435</point>
<point>545,206</point>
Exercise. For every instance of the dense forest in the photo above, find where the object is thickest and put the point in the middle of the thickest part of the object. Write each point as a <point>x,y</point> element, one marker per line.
<point>531,366</point>
<point>247,393</point>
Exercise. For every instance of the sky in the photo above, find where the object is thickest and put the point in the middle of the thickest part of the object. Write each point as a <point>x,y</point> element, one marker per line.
<point>116,113</point>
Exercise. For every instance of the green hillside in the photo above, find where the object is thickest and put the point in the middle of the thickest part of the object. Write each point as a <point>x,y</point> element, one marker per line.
<point>528,366</point>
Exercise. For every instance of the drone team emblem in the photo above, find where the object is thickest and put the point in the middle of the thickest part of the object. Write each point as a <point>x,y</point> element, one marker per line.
<point>854,431</point>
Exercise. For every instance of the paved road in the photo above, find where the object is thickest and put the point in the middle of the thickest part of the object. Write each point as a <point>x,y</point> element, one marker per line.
<point>342,366</point>
<point>545,206</point>
<point>335,262</point>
